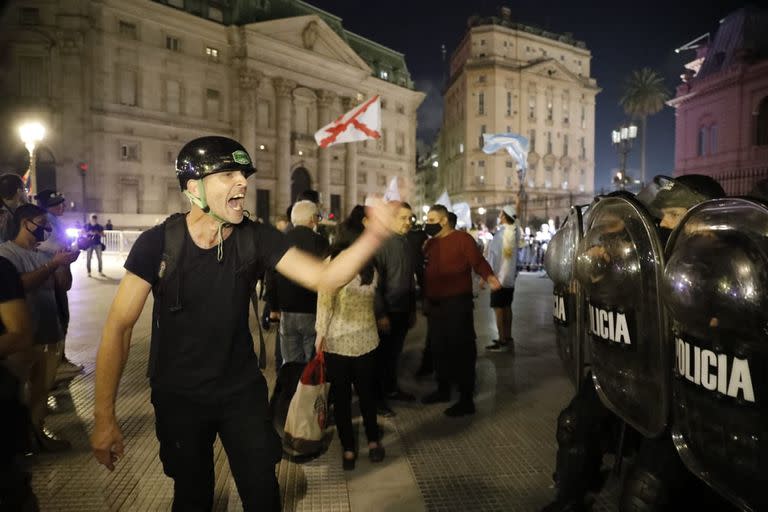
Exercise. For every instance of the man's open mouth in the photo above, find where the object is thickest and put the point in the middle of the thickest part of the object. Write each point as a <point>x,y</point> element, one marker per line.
<point>236,202</point>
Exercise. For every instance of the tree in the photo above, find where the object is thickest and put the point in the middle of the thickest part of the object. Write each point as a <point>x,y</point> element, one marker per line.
<point>644,95</point>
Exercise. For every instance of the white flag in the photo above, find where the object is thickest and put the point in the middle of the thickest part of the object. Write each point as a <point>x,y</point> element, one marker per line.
<point>516,145</point>
<point>393,192</point>
<point>445,200</point>
<point>360,123</point>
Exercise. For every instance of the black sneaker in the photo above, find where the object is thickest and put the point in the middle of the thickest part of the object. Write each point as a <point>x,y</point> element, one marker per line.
<point>498,346</point>
<point>401,396</point>
<point>460,409</point>
<point>385,411</point>
<point>436,397</point>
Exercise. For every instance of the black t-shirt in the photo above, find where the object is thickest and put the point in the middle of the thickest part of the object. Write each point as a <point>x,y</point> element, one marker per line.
<point>211,353</point>
<point>10,285</point>
<point>94,233</point>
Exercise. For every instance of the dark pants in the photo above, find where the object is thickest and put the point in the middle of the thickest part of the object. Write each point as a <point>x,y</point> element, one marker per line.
<point>389,350</point>
<point>343,372</point>
<point>187,428</point>
<point>452,336</point>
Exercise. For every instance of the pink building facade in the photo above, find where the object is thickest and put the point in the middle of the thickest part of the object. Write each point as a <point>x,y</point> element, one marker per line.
<point>721,125</point>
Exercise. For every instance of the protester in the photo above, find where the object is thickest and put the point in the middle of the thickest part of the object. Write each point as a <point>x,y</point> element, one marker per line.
<point>346,333</point>
<point>502,256</point>
<point>395,307</point>
<point>15,336</point>
<point>108,226</point>
<point>451,257</point>
<point>203,372</point>
<point>54,204</point>
<point>94,232</point>
<point>12,195</point>
<point>294,305</point>
<point>38,272</point>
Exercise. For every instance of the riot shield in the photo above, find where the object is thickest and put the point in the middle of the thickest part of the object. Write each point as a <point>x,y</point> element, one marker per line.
<point>568,301</point>
<point>619,266</point>
<point>716,291</point>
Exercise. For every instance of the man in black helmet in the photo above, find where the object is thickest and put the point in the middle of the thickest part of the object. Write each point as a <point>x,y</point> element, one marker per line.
<point>205,379</point>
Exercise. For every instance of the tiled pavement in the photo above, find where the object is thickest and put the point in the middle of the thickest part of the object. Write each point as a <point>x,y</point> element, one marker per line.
<point>500,459</point>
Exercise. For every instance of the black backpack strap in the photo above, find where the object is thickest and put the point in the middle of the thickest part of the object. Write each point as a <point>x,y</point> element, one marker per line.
<point>245,243</point>
<point>173,248</point>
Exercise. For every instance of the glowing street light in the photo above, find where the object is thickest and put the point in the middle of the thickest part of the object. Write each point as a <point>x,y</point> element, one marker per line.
<point>481,210</point>
<point>31,134</point>
<point>425,209</point>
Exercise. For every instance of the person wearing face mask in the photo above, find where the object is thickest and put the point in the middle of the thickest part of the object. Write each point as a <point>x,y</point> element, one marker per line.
<point>451,257</point>
<point>295,305</point>
<point>40,274</point>
<point>12,195</point>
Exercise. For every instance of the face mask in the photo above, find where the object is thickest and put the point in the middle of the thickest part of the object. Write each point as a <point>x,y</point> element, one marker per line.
<point>432,229</point>
<point>40,232</point>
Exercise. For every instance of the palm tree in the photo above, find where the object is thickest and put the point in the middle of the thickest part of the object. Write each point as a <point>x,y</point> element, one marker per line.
<point>644,95</point>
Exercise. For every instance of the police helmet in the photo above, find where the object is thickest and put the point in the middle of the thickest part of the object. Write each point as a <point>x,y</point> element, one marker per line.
<point>208,155</point>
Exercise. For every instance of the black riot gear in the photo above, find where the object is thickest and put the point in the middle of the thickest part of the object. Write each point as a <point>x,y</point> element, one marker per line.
<point>208,155</point>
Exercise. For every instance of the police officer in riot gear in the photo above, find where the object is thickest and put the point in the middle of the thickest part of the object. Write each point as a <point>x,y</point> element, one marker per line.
<point>204,375</point>
<point>586,427</point>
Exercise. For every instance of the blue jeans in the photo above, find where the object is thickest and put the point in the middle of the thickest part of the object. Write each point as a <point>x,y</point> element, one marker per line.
<point>297,337</point>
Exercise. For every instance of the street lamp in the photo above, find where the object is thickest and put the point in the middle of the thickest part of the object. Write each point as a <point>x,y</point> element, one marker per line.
<point>481,210</point>
<point>31,134</point>
<point>622,138</point>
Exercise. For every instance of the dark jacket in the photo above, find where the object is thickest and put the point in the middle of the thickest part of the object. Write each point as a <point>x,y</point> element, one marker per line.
<point>282,293</point>
<point>396,290</point>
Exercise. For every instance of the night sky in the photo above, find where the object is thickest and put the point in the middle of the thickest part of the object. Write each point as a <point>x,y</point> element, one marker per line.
<point>622,36</point>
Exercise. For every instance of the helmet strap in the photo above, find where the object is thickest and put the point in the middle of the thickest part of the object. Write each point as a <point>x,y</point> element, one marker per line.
<point>202,203</point>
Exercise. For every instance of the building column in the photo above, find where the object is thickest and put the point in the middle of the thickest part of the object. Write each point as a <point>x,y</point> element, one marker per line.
<point>284,93</point>
<point>324,100</point>
<point>249,82</point>
<point>350,163</point>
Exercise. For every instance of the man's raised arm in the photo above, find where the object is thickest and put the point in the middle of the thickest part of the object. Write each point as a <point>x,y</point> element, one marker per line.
<point>314,274</point>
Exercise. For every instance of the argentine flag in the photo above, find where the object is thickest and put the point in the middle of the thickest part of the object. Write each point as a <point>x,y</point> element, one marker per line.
<point>516,145</point>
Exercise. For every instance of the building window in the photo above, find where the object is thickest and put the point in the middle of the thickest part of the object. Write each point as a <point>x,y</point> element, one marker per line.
<point>713,139</point>
<point>481,79</point>
<point>583,148</point>
<point>128,30</point>
<point>212,53</point>
<point>565,145</point>
<point>482,42</point>
<point>532,107</point>
<point>549,142</point>
<point>262,204</point>
<point>212,104</point>
<point>550,110</point>
<point>172,43</point>
<point>481,103</point>
<point>509,104</point>
<point>583,117</point>
<point>701,147</point>
<point>362,177</point>
<point>510,181</point>
<point>382,142</point>
<point>33,77</point>
<point>761,132</point>
<point>383,75</point>
<point>127,83</point>
<point>29,16</point>
<point>215,13</point>
<point>130,152</point>
<point>481,163</point>
<point>532,140</point>
<point>482,132</point>
<point>173,97</point>
<point>381,179</point>
<point>336,205</point>
<point>566,110</point>
<point>461,147</point>
<point>510,164</point>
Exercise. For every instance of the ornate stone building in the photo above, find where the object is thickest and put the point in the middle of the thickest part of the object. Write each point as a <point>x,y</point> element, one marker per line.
<point>123,84</point>
<point>721,108</point>
<point>509,77</point>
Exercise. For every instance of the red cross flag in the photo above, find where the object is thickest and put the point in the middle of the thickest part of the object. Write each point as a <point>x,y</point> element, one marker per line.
<point>360,123</point>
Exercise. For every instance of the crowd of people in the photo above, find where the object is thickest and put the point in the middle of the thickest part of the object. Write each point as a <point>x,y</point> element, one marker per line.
<point>352,294</point>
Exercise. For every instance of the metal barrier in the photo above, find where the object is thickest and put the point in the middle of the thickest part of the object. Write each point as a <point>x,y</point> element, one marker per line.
<point>120,242</point>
